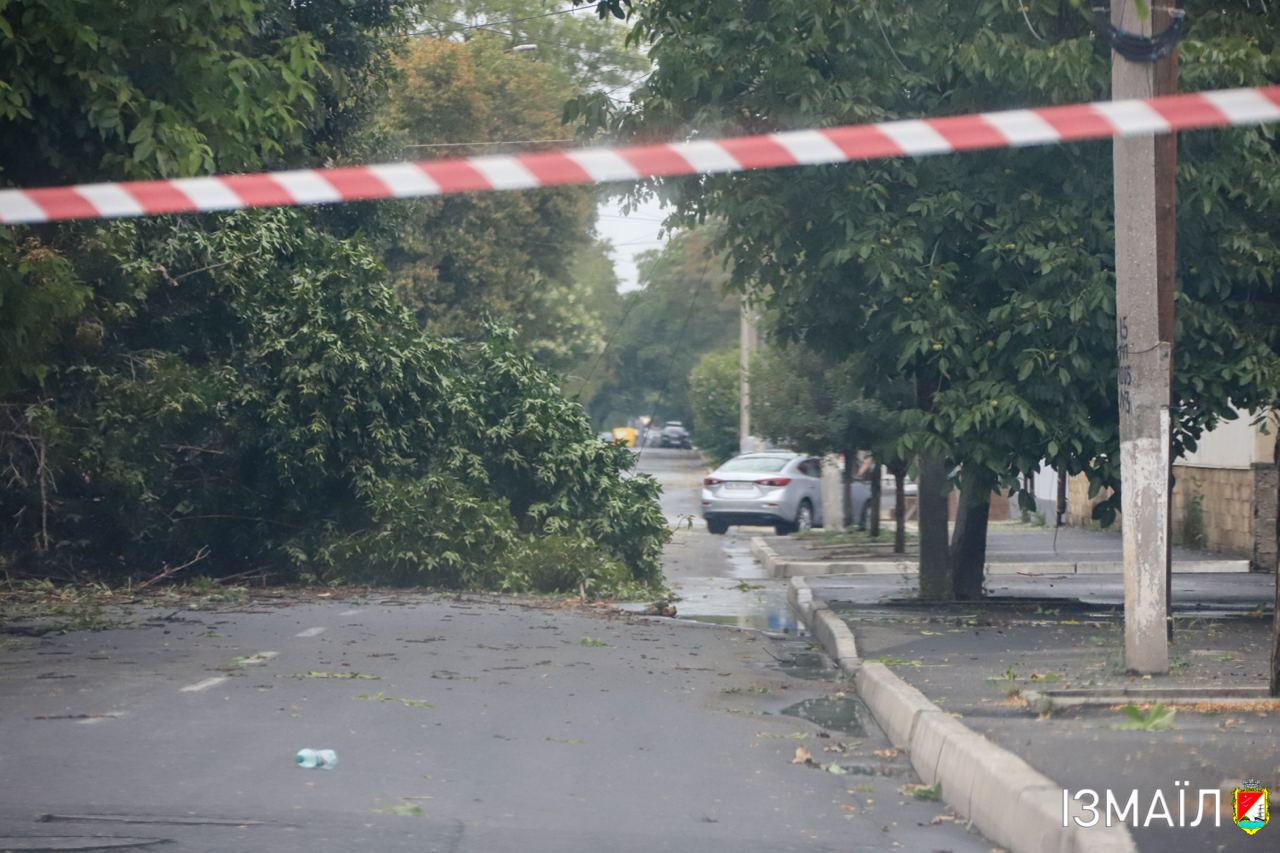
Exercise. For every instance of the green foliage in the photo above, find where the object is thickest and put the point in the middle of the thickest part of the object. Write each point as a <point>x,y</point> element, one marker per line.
<point>713,395</point>
<point>173,87</point>
<point>679,313</point>
<point>519,259</point>
<point>591,51</point>
<point>804,401</point>
<point>289,413</point>
<point>1156,718</point>
<point>39,297</point>
<point>253,384</point>
<point>564,563</point>
<point>985,280</point>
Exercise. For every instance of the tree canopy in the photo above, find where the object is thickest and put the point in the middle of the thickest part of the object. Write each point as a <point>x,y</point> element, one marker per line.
<point>252,391</point>
<point>678,313</point>
<point>986,279</point>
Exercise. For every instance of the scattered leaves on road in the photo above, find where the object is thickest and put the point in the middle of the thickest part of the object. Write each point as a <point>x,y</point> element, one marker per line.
<point>915,663</point>
<point>383,697</point>
<point>887,753</point>
<point>928,793</point>
<point>357,676</point>
<point>403,810</point>
<point>1156,718</point>
<point>592,642</point>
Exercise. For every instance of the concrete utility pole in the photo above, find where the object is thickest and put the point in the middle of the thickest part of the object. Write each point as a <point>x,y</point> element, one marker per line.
<point>748,342</point>
<point>1145,193</point>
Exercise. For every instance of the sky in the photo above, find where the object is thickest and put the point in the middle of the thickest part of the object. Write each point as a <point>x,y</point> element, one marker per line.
<point>630,235</point>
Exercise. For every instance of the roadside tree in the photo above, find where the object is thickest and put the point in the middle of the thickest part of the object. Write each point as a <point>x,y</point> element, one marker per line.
<point>984,280</point>
<point>713,397</point>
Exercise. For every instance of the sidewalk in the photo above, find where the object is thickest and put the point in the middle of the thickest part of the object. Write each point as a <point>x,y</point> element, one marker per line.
<point>1012,548</point>
<point>1038,671</point>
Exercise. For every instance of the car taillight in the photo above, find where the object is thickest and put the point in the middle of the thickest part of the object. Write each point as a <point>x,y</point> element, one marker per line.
<point>711,481</point>
<point>774,481</point>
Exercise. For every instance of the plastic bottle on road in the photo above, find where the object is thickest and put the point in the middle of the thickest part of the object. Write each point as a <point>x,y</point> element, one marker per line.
<point>317,759</point>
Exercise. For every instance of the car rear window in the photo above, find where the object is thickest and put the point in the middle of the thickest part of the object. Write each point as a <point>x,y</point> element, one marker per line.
<point>756,463</point>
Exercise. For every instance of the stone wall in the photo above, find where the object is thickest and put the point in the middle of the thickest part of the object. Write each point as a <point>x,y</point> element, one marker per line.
<point>1225,508</point>
<point>1237,509</point>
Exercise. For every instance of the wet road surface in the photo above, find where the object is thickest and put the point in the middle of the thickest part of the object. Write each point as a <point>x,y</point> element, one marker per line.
<point>462,723</point>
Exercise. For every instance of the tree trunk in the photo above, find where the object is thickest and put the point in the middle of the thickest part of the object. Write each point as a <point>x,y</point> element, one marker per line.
<point>969,543</point>
<point>935,561</point>
<point>873,522</point>
<point>899,511</point>
<point>846,491</point>
<point>1062,500</point>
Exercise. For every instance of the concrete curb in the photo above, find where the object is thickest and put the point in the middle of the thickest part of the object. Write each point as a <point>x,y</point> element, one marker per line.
<point>1007,799</point>
<point>780,567</point>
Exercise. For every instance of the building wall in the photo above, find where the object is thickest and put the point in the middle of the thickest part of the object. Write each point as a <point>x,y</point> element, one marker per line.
<point>1228,445</point>
<point>1237,507</point>
<point>1233,473</point>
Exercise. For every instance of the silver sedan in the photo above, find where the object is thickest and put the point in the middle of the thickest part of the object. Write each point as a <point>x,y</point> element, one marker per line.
<point>780,488</point>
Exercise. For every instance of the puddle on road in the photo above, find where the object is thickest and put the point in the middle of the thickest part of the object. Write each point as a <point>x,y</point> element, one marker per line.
<point>741,563</point>
<point>837,713</point>
<point>759,603</point>
<point>806,663</point>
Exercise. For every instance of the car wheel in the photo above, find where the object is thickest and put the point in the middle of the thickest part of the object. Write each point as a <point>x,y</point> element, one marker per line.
<point>804,517</point>
<point>719,528</point>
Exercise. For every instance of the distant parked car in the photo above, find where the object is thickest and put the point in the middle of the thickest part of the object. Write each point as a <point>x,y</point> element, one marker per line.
<point>606,437</point>
<point>777,488</point>
<point>675,435</point>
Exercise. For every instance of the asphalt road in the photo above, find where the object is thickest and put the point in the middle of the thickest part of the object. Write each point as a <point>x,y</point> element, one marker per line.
<point>461,724</point>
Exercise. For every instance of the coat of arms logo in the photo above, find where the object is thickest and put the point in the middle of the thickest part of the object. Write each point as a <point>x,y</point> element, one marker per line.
<point>1252,807</point>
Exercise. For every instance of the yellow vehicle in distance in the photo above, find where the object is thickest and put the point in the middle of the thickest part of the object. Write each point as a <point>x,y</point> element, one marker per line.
<point>626,436</point>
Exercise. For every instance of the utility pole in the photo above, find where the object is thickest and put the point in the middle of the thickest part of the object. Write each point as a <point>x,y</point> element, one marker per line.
<point>1145,195</point>
<point>748,342</point>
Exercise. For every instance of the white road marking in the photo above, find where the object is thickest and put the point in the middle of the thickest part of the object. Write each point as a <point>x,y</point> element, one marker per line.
<point>350,612</point>
<point>203,685</point>
<point>310,632</point>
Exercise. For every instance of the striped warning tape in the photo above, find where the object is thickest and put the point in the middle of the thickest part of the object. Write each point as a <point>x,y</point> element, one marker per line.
<point>1011,128</point>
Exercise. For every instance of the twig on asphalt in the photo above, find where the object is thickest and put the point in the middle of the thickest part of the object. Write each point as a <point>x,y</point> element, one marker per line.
<point>170,572</point>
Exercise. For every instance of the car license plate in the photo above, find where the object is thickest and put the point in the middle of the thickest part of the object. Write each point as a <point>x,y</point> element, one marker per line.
<point>739,487</point>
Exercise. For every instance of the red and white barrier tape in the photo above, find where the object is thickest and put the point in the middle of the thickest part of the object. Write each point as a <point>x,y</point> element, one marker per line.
<point>1008,129</point>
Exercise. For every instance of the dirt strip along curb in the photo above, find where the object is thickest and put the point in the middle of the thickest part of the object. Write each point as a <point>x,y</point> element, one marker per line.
<point>1007,799</point>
